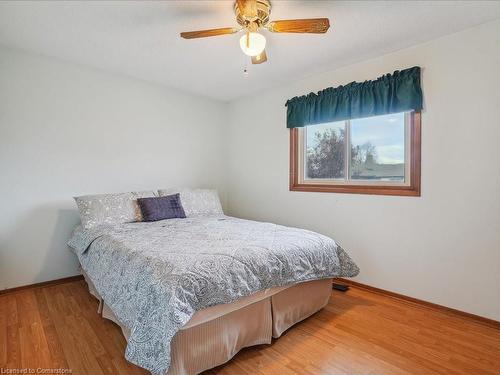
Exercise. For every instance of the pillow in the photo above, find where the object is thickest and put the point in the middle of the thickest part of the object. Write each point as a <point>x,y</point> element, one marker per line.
<point>197,202</point>
<point>110,208</point>
<point>160,208</point>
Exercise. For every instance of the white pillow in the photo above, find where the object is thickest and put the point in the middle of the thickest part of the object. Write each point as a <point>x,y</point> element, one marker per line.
<point>110,208</point>
<point>197,202</point>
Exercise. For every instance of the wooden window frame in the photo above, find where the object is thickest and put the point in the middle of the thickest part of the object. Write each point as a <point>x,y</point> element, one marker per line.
<point>413,189</point>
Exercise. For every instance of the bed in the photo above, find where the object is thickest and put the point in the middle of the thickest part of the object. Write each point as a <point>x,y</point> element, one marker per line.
<point>190,293</point>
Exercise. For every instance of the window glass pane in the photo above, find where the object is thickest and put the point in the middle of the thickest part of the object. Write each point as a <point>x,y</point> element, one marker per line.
<point>325,151</point>
<point>378,148</point>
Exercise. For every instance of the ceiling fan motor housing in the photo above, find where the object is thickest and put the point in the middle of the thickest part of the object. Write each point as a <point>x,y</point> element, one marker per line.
<point>253,22</point>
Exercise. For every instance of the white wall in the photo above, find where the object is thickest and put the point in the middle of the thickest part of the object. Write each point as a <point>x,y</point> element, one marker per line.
<point>443,247</point>
<point>68,130</point>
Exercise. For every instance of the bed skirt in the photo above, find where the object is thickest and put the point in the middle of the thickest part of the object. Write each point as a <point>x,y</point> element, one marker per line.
<point>214,335</point>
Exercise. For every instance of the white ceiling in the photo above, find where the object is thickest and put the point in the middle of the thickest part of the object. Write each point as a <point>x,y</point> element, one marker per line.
<point>141,38</point>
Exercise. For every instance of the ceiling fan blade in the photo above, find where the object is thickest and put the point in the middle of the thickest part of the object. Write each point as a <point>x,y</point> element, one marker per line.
<point>311,25</point>
<point>248,8</point>
<point>259,59</point>
<point>211,32</point>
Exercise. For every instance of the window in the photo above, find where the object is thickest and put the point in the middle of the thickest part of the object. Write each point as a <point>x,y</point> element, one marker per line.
<point>373,155</point>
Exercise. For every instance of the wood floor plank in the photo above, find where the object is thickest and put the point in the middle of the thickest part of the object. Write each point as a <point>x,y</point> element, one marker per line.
<point>9,309</point>
<point>13,347</point>
<point>358,332</point>
<point>3,332</point>
<point>54,344</point>
<point>43,309</point>
<point>28,355</point>
<point>27,309</point>
<point>3,344</point>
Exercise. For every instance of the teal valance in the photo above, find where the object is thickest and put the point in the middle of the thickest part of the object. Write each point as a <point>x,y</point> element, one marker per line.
<point>391,93</point>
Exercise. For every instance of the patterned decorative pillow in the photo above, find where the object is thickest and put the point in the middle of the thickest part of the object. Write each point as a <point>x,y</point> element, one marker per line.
<point>197,202</point>
<point>110,208</point>
<point>161,208</point>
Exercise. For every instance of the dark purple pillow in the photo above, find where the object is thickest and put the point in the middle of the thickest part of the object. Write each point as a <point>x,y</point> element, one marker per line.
<point>160,208</point>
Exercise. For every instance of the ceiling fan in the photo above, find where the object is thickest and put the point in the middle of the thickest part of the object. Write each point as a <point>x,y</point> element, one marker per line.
<point>253,15</point>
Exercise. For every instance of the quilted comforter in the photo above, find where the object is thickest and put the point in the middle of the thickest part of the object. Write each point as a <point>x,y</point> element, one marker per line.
<point>155,276</point>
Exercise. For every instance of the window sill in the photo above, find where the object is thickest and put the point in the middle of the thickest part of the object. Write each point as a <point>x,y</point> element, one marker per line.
<point>358,189</point>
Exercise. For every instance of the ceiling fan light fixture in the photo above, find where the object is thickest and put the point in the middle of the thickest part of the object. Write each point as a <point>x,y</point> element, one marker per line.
<point>252,44</point>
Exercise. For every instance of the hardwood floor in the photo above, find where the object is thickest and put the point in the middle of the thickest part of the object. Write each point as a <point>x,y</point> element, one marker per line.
<point>359,332</point>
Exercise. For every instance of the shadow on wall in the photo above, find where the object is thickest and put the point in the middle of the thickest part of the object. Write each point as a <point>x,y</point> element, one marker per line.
<point>66,221</point>
<point>35,250</point>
